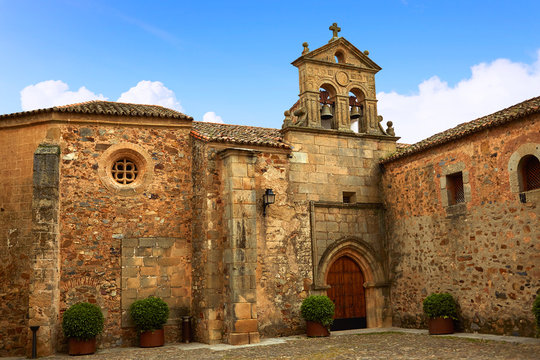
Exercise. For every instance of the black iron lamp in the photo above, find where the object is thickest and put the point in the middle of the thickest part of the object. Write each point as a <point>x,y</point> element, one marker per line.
<point>268,198</point>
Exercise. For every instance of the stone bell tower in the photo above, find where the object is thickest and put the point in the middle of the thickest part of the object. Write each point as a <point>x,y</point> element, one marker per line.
<point>337,89</point>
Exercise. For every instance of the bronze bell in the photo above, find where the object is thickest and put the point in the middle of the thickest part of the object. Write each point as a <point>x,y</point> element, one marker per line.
<point>326,112</point>
<point>355,113</point>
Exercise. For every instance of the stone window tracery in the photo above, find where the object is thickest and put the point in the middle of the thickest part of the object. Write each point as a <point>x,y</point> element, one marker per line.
<point>124,171</point>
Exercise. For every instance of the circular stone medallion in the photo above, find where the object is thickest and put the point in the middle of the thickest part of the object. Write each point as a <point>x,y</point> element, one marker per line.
<point>342,78</point>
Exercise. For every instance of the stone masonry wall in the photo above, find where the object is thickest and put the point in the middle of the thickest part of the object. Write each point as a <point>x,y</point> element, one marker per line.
<point>17,147</point>
<point>284,271</point>
<point>485,252</point>
<point>119,246</point>
<point>325,164</point>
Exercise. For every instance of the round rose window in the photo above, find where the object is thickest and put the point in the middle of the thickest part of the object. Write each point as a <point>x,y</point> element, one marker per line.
<point>124,171</point>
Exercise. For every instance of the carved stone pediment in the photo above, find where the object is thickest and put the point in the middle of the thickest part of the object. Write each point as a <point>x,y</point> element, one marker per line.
<point>348,53</point>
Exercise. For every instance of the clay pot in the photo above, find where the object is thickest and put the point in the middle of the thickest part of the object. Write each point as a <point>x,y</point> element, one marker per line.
<point>315,329</point>
<point>81,347</point>
<point>440,326</point>
<point>152,338</point>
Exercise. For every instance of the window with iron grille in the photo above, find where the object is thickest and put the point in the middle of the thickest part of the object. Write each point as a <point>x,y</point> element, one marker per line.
<point>454,186</point>
<point>530,173</point>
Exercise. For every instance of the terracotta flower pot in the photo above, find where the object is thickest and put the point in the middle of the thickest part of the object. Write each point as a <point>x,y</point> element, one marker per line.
<point>440,326</point>
<point>315,329</point>
<point>152,338</point>
<point>81,347</point>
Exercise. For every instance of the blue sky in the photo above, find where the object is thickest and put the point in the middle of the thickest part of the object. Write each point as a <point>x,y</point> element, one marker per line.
<point>233,58</point>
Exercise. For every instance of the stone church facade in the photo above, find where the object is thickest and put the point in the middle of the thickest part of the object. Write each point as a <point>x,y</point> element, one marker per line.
<point>109,202</point>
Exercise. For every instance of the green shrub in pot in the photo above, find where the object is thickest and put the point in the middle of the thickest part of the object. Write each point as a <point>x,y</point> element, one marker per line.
<point>440,305</point>
<point>82,321</point>
<point>318,308</point>
<point>149,314</point>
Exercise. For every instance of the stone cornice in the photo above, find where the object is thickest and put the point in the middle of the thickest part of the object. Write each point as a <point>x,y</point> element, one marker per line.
<point>295,128</point>
<point>91,119</point>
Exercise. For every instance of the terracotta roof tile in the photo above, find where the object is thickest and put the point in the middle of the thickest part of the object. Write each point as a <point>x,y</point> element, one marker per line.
<point>238,134</point>
<point>515,112</point>
<point>109,108</point>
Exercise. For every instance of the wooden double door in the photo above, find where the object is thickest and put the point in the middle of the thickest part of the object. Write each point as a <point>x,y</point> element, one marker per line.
<point>346,290</point>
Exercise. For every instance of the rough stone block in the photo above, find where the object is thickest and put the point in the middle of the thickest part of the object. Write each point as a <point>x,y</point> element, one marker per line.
<point>127,243</point>
<point>239,339</point>
<point>146,282</point>
<point>215,334</point>
<point>254,338</point>
<point>245,326</point>
<point>242,311</point>
<point>147,242</point>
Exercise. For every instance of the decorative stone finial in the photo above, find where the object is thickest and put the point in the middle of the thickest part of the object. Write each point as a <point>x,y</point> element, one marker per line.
<point>390,131</point>
<point>287,121</point>
<point>366,52</point>
<point>306,49</point>
<point>335,29</point>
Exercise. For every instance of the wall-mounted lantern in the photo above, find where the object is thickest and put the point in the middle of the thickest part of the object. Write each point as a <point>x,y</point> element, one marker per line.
<point>268,198</point>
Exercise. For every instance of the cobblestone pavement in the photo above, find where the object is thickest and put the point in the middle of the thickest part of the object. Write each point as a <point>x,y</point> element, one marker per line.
<point>382,345</point>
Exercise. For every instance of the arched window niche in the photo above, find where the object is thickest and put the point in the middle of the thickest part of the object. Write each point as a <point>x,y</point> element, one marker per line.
<point>327,100</point>
<point>529,173</point>
<point>356,110</point>
<point>524,172</point>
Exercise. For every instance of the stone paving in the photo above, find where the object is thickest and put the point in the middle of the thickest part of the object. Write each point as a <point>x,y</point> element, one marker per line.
<point>366,344</point>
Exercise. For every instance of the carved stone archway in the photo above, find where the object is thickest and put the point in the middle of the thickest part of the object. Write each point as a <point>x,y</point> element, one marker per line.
<point>376,284</point>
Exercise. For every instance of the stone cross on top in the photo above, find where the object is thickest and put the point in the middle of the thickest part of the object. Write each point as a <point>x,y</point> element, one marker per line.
<point>335,29</point>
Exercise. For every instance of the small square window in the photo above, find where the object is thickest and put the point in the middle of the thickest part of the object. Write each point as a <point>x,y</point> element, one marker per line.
<point>349,197</point>
<point>454,186</point>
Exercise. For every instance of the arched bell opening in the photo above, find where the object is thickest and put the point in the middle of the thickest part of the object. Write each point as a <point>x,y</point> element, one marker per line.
<point>339,56</point>
<point>327,101</point>
<point>356,110</point>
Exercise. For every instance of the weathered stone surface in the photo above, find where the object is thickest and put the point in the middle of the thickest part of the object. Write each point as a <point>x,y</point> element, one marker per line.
<point>485,254</point>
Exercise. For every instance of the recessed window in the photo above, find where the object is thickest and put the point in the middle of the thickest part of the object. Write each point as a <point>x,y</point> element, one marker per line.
<point>454,186</point>
<point>349,197</point>
<point>124,171</point>
<point>529,172</point>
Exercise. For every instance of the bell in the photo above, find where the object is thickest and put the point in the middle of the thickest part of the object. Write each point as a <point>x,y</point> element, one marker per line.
<point>326,112</point>
<point>355,114</point>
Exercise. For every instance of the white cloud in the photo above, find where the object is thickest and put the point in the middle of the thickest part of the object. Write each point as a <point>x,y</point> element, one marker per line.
<point>437,106</point>
<point>151,93</point>
<point>54,92</point>
<point>212,117</point>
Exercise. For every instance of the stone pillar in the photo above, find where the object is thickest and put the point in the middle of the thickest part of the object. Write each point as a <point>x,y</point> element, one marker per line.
<point>43,304</point>
<point>341,114</point>
<point>310,100</point>
<point>240,249</point>
<point>370,117</point>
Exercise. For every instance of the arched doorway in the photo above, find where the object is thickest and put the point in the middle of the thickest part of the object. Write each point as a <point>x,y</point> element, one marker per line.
<point>346,282</point>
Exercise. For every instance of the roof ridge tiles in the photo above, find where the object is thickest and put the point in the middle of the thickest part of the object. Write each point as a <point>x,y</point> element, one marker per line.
<point>104,107</point>
<point>505,115</point>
